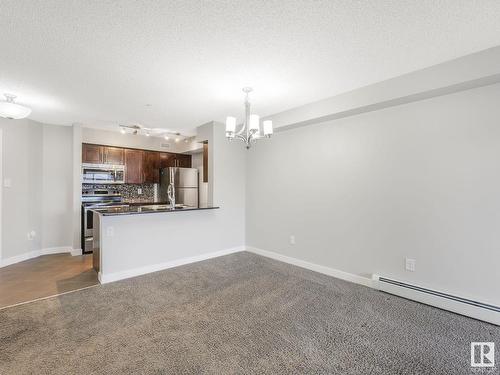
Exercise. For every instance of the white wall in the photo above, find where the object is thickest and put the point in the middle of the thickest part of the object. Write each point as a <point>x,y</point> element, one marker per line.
<point>57,186</point>
<point>77,186</point>
<point>35,160</point>
<point>197,162</point>
<point>22,165</point>
<point>419,180</point>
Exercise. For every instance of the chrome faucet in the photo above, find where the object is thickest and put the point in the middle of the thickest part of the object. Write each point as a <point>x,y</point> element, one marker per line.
<point>171,190</point>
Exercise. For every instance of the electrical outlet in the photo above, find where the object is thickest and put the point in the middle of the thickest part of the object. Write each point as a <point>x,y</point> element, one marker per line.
<point>139,191</point>
<point>410,264</point>
<point>110,231</point>
<point>31,235</point>
<point>292,240</point>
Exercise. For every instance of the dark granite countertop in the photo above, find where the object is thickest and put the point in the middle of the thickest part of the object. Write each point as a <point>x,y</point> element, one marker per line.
<point>146,209</point>
<point>144,203</point>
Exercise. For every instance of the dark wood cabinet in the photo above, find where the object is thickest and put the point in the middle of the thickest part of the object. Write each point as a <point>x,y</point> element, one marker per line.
<point>92,154</point>
<point>97,154</point>
<point>133,166</point>
<point>151,166</point>
<point>183,161</point>
<point>113,155</point>
<point>167,159</point>
<point>141,166</point>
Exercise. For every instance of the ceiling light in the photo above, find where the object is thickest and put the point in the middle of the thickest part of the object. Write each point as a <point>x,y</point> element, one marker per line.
<point>122,130</point>
<point>268,127</point>
<point>250,130</point>
<point>177,140</point>
<point>148,133</point>
<point>186,140</point>
<point>11,110</point>
<point>166,137</point>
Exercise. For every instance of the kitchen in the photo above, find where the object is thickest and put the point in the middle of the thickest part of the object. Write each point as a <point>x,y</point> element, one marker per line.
<point>122,177</point>
<point>151,203</point>
<point>118,170</point>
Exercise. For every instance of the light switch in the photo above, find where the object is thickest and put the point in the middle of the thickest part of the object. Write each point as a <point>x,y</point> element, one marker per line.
<point>110,231</point>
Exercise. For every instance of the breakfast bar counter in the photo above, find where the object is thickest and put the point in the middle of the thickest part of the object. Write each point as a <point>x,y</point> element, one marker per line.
<point>135,240</point>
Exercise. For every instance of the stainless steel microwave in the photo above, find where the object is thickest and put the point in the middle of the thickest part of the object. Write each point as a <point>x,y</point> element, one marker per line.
<point>103,174</point>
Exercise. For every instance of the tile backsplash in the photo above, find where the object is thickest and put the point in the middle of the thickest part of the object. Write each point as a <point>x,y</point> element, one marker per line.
<point>129,192</point>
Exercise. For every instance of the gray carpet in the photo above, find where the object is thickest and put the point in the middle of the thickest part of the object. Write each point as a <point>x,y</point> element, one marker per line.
<point>238,314</point>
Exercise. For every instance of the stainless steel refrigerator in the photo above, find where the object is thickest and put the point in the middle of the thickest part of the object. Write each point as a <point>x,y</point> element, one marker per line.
<point>185,183</point>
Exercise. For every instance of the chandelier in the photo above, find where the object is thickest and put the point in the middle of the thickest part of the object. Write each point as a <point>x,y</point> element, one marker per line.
<point>251,130</point>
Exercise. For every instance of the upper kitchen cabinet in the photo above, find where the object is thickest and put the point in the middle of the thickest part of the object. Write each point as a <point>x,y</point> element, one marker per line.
<point>113,155</point>
<point>183,161</point>
<point>151,166</point>
<point>167,159</point>
<point>92,154</point>
<point>133,166</point>
<point>96,154</point>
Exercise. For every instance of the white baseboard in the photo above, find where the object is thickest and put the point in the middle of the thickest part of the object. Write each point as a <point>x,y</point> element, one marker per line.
<point>36,253</point>
<point>55,250</point>
<point>115,276</point>
<point>313,267</point>
<point>76,252</point>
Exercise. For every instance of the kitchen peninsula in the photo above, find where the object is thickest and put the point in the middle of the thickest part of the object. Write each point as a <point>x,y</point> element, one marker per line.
<point>142,239</point>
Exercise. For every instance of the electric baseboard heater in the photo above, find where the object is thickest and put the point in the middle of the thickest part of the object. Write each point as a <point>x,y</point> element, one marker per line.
<point>474,309</point>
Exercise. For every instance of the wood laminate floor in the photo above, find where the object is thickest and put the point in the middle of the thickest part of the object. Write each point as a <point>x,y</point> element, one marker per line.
<point>45,276</point>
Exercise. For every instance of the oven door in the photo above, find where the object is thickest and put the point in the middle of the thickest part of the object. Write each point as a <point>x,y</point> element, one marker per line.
<point>88,222</point>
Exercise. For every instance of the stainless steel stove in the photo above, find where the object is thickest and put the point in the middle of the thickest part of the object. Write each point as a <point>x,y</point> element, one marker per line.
<point>95,198</point>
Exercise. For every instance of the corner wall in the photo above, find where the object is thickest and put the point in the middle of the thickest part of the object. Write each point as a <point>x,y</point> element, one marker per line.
<point>36,164</point>
<point>361,193</point>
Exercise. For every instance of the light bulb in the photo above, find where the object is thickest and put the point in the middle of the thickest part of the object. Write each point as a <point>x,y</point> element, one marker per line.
<point>268,127</point>
<point>254,123</point>
<point>230,124</point>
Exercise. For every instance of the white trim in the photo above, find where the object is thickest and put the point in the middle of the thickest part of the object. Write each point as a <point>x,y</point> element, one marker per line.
<point>51,296</point>
<point>55,250</point>
<point>115,276</point>
<point>76,252</point>
<point>37,253</point>
<point>314,267</point>
<point>440,302</point>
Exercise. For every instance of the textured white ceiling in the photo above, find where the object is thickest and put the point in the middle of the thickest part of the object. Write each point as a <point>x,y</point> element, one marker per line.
<point>100,62</point>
